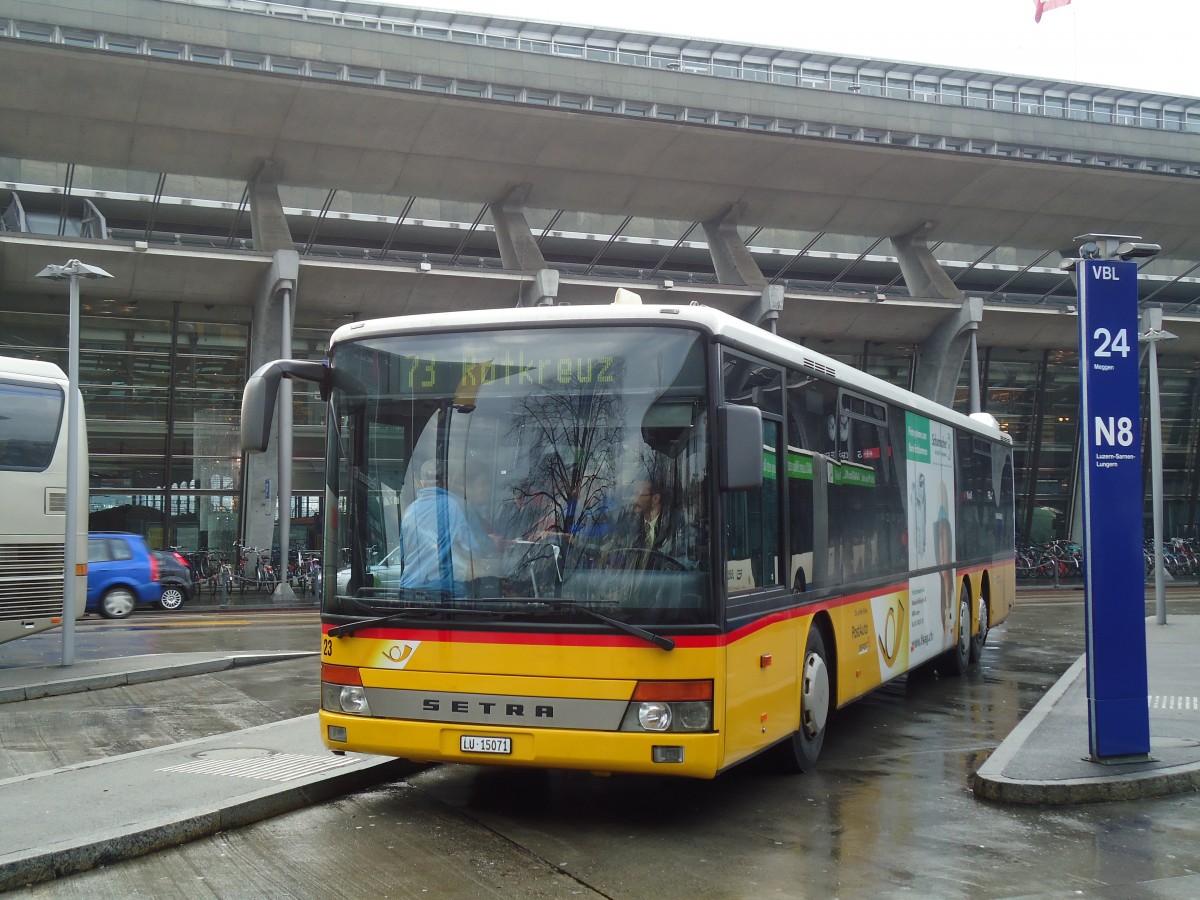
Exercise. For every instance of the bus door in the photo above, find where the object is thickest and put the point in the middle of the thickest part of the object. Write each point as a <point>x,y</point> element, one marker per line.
<point>812,492</point>
<point>762,703</point>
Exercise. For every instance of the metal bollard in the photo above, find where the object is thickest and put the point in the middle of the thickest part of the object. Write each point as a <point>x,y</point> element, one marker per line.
<point>224,586</point>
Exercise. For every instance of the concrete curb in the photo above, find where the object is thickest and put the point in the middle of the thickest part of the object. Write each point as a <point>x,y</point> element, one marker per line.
<point>170,833</point>
<point>1036,750</point>
<point>990,782</point>
<point>26,867</point>
<point>138,670</point>
<point>1182,779</point>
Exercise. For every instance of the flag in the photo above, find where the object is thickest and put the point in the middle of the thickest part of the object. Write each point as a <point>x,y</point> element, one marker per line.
<point>1040,6</point>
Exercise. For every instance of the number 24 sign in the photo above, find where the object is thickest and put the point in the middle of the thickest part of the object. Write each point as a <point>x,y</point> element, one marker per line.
<point>1110,383</point>
<point>1109,399</point>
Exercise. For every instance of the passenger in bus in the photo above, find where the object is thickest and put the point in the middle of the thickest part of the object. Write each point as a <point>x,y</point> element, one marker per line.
<point>644,525</point>
<point>439,546</point>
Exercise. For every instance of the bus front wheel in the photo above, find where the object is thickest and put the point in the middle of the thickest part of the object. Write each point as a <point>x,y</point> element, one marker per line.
<point>800,752</point>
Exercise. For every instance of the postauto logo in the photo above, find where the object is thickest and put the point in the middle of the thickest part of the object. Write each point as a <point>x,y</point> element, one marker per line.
<point>398,655</point>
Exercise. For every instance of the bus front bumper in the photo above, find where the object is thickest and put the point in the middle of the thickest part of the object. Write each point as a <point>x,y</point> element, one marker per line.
<point>664,753</point>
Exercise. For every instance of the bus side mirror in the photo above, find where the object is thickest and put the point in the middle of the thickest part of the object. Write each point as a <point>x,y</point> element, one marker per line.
<point>740,434</point>
<point>258,397</point>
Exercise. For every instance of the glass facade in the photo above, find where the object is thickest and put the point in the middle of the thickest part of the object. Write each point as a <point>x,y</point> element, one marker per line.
<point>1179,394</point>
<point>162,395</point>
<point>162,384</point>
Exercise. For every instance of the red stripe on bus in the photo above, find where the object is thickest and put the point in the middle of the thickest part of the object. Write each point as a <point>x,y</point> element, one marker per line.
<point>618,640</point>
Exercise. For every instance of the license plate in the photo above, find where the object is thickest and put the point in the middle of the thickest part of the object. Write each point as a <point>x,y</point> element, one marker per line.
<point>469,743</point>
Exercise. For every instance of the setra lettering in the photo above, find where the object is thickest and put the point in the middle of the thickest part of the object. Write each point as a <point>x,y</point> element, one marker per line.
<point>488,709</point>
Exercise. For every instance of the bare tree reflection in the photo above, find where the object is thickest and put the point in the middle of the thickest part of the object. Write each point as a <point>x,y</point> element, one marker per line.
<point>573,432</point>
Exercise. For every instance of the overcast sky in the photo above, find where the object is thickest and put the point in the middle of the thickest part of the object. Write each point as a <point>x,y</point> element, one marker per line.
<point>1143,44</point>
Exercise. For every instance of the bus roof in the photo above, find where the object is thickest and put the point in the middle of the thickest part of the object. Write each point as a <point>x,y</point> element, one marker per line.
<point>728,329</point>
<point>31,368</point>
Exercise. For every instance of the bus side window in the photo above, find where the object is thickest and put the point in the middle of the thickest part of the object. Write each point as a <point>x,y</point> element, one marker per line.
<point>871,492</point>
<point>811,404</point>
<point>753,530</point>
<point>752,524</point>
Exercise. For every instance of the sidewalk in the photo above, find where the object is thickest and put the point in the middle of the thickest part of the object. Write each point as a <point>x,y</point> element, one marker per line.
<point>75,818</point>
<point>78,817</point>
<point>1044,759</point>
<point>206,600</point>
<point>31,682</point>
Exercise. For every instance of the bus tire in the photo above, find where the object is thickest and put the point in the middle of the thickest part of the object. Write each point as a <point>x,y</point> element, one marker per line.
<point>981,636</point>
<point>957,659</point>
<point>799,752</point>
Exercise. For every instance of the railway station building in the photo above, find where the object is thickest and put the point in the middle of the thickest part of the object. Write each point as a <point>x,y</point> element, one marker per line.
<point>254,174</point>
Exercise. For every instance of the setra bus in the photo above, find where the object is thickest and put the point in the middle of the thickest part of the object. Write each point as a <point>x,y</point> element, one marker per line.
<point>33,483</point>
<point>633,538</point>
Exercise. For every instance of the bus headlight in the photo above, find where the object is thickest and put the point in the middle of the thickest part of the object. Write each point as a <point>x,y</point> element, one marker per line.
<point>342,690</point>
<point>654,716</point>
<point>345,698</point>
<point>670,706</point>
<point>693,716</point>
<point>353,699</point>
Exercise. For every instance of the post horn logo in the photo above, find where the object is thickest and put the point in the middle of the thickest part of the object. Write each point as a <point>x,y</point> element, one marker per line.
<point>398,655</point>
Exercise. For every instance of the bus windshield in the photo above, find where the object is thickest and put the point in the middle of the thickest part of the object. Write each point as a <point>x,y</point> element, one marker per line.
<point>30,416</point>
<point>521,476</point>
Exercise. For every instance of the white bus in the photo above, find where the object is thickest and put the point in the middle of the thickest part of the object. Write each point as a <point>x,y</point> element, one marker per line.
<point>33,483</point>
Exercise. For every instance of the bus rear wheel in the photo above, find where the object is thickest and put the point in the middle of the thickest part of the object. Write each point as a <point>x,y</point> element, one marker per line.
<point>799,753</point>
<point>981,636</point>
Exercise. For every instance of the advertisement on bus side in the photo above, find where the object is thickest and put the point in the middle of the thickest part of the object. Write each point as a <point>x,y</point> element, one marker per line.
<point>932,606</point>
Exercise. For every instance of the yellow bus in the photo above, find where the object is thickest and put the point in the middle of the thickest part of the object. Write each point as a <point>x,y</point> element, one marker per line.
<point>633,538</point>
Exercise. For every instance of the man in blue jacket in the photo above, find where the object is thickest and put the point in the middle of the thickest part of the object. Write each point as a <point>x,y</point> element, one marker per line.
<point>439,546</point>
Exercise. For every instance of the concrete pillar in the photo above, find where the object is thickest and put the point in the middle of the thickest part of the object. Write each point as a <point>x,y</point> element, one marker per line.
<point>268,479</point>
<point>766,310</point>
<point>519,250</point>
<point>541,291</point>
<point>274,309</point>
<point>923,275</point>
<point>976,404</point>
<point>734,265</point>
<point>268,225</point>
<point>731,260</point>
<point>940,356</point>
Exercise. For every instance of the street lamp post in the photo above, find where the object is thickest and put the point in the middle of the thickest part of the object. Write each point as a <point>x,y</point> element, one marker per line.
<point>1152,334</point>
<point>72,272</point>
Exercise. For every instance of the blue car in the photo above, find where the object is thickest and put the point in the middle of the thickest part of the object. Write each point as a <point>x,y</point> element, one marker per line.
<point>122,574</point>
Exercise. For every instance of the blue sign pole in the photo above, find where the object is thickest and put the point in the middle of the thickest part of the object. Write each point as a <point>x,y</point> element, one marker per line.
<point>1114,570</point>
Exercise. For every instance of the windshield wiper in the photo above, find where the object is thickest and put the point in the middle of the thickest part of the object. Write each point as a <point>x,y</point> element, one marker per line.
<point>408,612</point>
<point>351,627</point>
<point>519,608</point>
<point>656,639</point>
